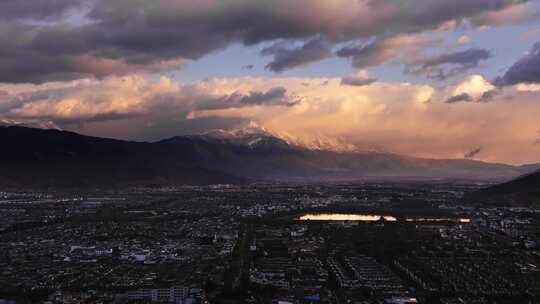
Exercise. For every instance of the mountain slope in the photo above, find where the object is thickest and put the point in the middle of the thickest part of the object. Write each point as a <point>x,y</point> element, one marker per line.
<point>35,157</point>
<point>524,190</point>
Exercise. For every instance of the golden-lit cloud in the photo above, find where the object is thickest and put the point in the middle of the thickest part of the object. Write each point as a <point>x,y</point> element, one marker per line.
<point>402,118</point>
<point>509,15</point>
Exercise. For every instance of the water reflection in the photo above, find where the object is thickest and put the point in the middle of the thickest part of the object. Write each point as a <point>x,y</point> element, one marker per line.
<point>374,218</point>
<point>347,217</point>
<point>447,219</point>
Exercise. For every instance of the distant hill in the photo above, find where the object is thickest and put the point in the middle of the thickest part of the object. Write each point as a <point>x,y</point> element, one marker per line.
<point>55,158</point>
<point>522,191</point>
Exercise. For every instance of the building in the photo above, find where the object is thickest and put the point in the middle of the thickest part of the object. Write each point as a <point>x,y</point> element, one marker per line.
<point>175,294</point>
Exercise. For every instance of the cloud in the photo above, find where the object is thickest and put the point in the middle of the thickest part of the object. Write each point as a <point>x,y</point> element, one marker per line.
<point>448,65</point>
<point>274,97</point>
<point>63,40</point>
<point>513,14</point>
<point>527,87</point>
<point>459,98</point>
<point>286,58</point>
<point>532,34</point>
<point>525,70</point>
<point>474,88</point>
<point>464,40</point>
<point>437,10</point>
<point>130,97</point>
<point>373,118</point>
<point>474,85</point>
<point>384,116</point>
<point>360,79</point>
<point>465,97</point>
<point>471,154</point>
<point>37,9</point>
<point>380,51</point>
<point>357,81</point>
<point>488,96</point>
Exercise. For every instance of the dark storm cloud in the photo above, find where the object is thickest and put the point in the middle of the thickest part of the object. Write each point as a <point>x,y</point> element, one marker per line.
<point>273,97</point>
<point>365,55</point>
<point>37,55</point>
<point>115,37</point>
<point>286,58</point>
<point>380,50</point>
<point>436,11</point>
<point>468,58</point>
<point>36,9</point>
<point>360,54</point>
<point>472,153</point>
<point>525,70</point>
<point>357,81</point>
<point>450,64</point>
<point>460,98</point>
<point>488,96</point>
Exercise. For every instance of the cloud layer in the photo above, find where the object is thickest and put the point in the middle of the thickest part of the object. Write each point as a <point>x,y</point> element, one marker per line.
<point>389,116</point>
<point>59,39</point>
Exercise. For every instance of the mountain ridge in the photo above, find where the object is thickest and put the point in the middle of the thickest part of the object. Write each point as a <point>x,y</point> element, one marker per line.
<point>36,157</point>
<point>522,191</point>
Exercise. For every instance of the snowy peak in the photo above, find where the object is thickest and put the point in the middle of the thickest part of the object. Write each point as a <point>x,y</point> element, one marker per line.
<point>323,144</point>
<point>255,136</point>
<point>248,156</point>
<point>252,136</point>
<point>249,131</point>
<point>249,137</point>
<point>46,125</point>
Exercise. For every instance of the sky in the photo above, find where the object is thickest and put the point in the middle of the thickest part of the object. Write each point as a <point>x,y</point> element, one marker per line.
<point>436,79</point>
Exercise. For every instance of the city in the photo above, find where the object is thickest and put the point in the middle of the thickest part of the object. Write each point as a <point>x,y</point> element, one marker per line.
<point>268,243</point>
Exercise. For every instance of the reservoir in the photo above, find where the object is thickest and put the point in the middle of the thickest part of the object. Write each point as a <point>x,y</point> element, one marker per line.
<point>346,217</point>
<point>374,218</point>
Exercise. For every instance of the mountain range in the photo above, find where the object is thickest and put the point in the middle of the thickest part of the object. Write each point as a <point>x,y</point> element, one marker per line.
<point>54,158</point>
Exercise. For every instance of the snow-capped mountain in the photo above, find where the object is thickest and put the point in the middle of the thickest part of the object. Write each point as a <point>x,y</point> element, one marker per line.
<point>252,136</point>
<point>29,124</point>
<point>34,157</point>
<point>255,136</point>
